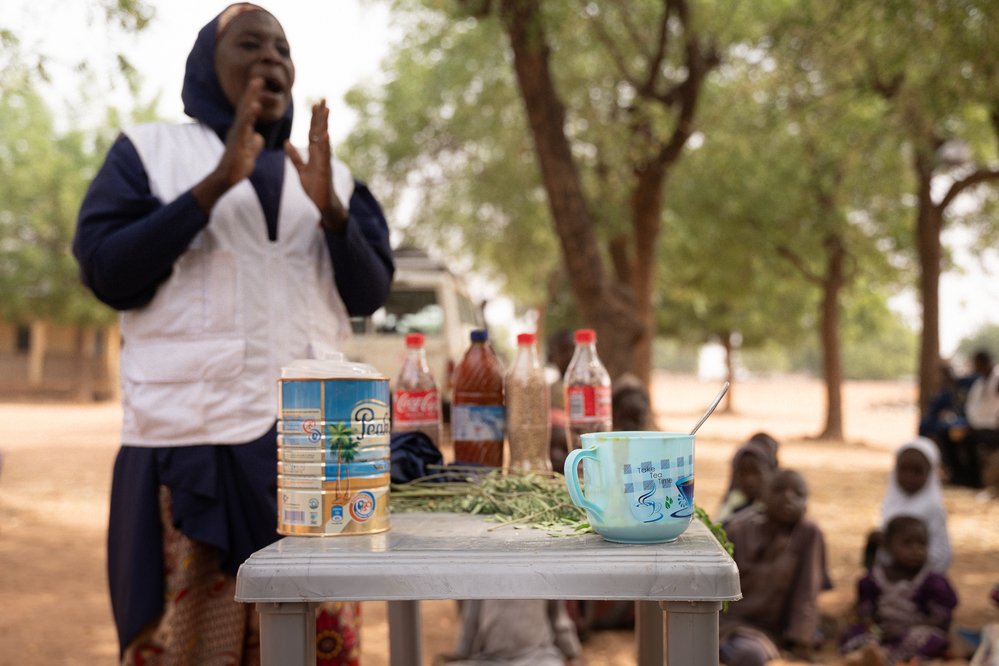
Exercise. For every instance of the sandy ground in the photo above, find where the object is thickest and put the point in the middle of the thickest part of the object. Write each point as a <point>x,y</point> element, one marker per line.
<point>57,465</point>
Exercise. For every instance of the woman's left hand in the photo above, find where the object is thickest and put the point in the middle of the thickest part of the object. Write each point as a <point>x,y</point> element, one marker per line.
<point>317,174</point>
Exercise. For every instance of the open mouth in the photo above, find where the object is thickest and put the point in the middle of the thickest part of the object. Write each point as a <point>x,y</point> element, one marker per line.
<point>273,86</point>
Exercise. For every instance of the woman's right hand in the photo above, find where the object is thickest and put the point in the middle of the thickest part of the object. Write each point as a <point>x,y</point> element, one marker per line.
<point>242,146</point>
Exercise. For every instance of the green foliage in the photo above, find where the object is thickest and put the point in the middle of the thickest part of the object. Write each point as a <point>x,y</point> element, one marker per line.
<point>44,175</point>
<point>449,128</point>
<point>42,180</point>
<point>754,205</point>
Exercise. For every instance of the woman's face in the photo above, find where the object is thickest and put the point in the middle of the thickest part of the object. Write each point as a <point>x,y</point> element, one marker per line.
<point>912,470</point>
<point>254,45</point>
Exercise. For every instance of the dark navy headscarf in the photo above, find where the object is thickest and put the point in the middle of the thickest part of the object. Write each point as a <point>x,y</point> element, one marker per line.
<point>205,101</point>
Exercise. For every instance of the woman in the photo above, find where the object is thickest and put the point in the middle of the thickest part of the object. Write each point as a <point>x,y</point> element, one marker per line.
<point>228,254</point>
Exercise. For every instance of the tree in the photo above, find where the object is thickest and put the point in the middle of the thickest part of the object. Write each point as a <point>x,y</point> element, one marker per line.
<point>939,107</point>
<point>802,194</point>
<point>43,177</point>
<point>610,92</point>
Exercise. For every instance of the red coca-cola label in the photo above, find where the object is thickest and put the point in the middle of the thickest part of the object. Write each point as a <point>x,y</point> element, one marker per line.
<point>588,404</point>
<point>416,407</point>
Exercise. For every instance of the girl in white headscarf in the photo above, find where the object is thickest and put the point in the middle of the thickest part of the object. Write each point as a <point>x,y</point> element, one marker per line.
<point>914,490</point>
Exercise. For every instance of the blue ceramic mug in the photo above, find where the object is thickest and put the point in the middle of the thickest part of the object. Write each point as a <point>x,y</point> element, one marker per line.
<point>639,486</point>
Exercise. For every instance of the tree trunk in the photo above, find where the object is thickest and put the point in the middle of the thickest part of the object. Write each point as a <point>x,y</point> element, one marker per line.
<point>832,364</point>
<point>36,353</point>
<point>85,353</point>
<point>929,222</point>
<point>112,358</point>
<point>646,215</point>
<point>608,306</point>
<point>727,406</point>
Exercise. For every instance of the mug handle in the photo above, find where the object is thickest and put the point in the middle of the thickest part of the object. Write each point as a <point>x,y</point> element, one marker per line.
<point>572,480</point>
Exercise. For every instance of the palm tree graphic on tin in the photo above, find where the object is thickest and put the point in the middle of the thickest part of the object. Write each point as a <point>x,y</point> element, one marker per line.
<point>343,443</point>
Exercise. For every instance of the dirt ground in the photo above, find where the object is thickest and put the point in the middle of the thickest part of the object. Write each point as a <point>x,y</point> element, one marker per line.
<point>57,460</point>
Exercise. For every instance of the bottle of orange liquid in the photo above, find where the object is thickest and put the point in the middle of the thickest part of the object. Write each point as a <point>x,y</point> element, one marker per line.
<point>478,419</point>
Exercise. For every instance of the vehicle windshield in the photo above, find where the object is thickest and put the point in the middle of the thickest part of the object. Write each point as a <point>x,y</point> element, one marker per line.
<point>407,310</point>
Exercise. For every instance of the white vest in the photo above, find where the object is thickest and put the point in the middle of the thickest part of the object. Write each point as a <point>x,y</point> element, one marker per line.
<point>200,362</point>
<point>981,407</point>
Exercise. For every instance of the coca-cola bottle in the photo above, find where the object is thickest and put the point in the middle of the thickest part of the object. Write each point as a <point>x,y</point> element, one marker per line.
<point>416,403</point>
<point>587,388</point>
<point>478,419</point>
<point>527,406</point>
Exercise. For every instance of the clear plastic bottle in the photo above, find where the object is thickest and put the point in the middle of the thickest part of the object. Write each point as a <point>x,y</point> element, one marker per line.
<point>527,406</point>
<point>587,390</point>
<point>416,403</point>
<point>478,418</point>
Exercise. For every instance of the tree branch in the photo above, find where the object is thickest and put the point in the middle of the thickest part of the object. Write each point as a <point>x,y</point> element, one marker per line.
<point>615,53</point>
<point>662,43</point>
<point>975,178</point>
<point>619,258</point>
<point>795,260</point>
<point>633,32</point>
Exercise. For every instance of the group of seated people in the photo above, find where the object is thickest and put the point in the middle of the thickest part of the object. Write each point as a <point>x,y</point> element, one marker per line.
<point>963,419</point>
<point>904,601</point>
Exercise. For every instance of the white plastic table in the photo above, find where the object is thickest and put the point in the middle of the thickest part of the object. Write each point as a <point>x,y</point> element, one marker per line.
<point>457,556</point>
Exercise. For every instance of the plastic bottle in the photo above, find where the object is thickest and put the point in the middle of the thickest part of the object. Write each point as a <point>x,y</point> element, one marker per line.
<point>527,406</point>
<point>478,418</point>
<point>587,390</point>
<point>416,403</point>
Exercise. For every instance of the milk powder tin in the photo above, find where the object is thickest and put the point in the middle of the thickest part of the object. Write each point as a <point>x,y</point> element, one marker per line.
<point>333,448</point>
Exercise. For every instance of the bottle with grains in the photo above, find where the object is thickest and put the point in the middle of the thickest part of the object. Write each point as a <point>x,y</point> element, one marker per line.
<point>587,390</point>
<point>478,418</point>
<point>527,406</point>
<point>416,402</point>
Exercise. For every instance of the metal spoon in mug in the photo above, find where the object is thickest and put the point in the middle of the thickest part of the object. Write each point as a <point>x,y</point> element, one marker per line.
<point>714,403</point>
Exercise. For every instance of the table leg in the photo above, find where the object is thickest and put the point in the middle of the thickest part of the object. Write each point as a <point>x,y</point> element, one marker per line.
<point>649,633</point>
<point>287,634</point>
<point>404,633</point>
<point>691,632</point>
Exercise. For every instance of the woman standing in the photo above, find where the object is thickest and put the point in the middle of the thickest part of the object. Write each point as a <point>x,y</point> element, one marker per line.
<point>228,254</point>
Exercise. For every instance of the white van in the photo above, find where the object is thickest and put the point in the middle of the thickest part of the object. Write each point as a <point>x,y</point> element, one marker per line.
<point>425,298</point>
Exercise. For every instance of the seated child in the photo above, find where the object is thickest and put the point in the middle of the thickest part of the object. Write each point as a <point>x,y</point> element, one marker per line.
<point>631,408</point>
<point>780,555</point>
<point>914,490</point>
<point>903,606</point>
<point>752,465</point>
<point>514,632</point>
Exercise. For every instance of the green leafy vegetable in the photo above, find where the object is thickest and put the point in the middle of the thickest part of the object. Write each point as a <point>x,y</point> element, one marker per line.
<point>519,499</point>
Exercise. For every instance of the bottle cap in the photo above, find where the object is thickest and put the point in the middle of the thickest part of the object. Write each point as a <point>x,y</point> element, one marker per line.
<point>414,340</point>
<point>480,335</point>
<point>585,336</point>
<point>526,339</point>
